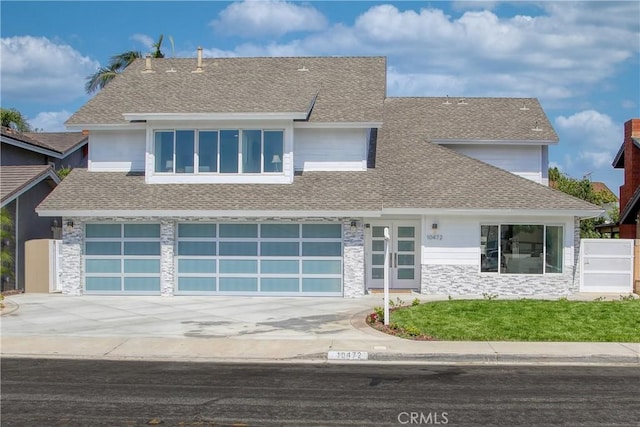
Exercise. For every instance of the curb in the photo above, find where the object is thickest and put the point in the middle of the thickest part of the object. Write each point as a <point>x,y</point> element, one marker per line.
<point>9,307</point>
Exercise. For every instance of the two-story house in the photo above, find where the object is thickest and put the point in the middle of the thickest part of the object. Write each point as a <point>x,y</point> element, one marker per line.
<point>278,176</point>
<point>27,175</point>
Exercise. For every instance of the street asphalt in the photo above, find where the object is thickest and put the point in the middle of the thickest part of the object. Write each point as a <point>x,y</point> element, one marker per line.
<point>253,329</point>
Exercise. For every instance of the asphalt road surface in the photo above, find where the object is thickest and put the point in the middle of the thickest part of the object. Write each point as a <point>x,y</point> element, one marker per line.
<point>54,392</point>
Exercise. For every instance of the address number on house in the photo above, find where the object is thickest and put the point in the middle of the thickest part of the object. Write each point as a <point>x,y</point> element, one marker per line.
<point>348,355</point>
<point>434,236</point>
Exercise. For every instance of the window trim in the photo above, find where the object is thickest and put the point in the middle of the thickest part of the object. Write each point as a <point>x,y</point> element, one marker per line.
<point>544,247</point>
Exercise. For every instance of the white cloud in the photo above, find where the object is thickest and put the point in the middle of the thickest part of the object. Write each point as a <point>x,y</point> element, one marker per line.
<point>268,18</point>
<point>592,128</point>
<point>39,70</point>
<point>143,39</point>
<point>50,121</point>
<point>549,55</point>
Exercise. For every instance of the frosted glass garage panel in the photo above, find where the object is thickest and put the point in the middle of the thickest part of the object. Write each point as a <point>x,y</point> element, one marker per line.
<point>321,285</point>
<point>195,284</point>
<point>238,284</point>
<point>324,231</point>
<point>279,248</point>
<point>280,231</point>
<point>142,266</point>
<point>103,266</point>
<point>102,284</point>
<point>103,230</point>
<point>321,267</point>
<point>322,249</point>
<point>197,248</point>
<point>196,230</point>
<point>103,248</point>
<point>279,267</point>
<point>608,264</point>
<point>238,230</point>
<point>196,266</point>
<point>279,285</point>
<point>142,248</point>
<point>239,248</point>
<point>142,284</point>
<point>142,230</point>
<point>238,266</point>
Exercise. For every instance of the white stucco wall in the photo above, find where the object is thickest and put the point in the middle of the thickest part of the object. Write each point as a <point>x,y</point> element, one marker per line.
<point>116,150</point>
<point>523,160</point>
<point>330,149</point>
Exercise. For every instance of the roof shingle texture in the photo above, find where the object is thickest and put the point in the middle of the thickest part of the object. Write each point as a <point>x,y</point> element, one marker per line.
<point>59,142</point>
<point>512,119</point>
<point>420,174</point>
<point>311,191</point>
<point>14,178</point>
<point>348,89</point>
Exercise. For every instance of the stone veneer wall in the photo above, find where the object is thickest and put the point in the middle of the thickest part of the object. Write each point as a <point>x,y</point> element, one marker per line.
<point>353,259</point>
<point>73,249</point>
<point>467,280</point>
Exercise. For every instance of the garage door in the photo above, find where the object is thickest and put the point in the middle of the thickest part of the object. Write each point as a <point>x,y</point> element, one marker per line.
<point>122,258</point>
<point>266,259</point>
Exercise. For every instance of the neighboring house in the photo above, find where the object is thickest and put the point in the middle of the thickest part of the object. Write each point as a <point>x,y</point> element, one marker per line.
<point>609,228</point>
<point>628,157</point>
<point>278,176</point>
<point>27,170</point>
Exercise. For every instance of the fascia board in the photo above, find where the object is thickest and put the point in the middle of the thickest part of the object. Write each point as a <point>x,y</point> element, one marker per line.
<point>203,213</point>
<point>495,141</point>
<point>214,116</point>
<point>582,213</point>
<point>336,125</point>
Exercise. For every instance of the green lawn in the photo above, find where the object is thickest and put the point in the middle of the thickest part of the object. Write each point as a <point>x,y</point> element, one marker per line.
<point>524,320</point>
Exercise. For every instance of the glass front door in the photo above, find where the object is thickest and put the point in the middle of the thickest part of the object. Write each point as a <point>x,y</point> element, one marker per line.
<point>403,255</point>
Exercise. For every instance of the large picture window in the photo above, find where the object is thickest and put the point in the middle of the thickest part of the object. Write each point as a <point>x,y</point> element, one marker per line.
<point>225,151</point>
<point>521,248</point>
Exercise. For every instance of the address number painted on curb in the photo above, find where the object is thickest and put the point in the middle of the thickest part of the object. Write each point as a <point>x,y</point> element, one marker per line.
<point>347,355</point>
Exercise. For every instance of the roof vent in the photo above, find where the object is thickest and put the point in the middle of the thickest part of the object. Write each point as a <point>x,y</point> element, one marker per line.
<point>199,63</point>
<point>147,64</point>
<point>462,101</point>
<point>447,101</point>
<point>303,68</point>
<point>524,107</point>
<point>536,128</point>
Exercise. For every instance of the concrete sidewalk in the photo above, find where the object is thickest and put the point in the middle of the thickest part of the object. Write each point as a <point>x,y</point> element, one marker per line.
<point>250,329</point>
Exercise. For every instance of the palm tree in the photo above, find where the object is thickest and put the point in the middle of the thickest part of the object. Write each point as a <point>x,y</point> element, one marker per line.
<point>12,118</point>
<point>117,64</point>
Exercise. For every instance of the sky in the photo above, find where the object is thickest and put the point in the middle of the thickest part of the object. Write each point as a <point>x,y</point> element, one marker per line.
<point>580,59</point>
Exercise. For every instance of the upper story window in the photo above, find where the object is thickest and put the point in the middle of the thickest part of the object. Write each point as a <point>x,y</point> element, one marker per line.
<point>223,151</point>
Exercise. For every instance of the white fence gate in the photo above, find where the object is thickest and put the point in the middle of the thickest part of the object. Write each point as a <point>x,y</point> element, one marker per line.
<point>606,265</point>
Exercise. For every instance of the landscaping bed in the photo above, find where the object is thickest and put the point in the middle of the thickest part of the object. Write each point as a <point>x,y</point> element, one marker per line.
<point>514,320</point>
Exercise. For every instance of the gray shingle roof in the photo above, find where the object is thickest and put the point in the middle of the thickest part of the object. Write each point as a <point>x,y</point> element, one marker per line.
<point>348,89</point>
<point>476,118</point>
<point>311,191</point>
<point>419,174</point>
<point>14,179</point>
<point>59,142</point>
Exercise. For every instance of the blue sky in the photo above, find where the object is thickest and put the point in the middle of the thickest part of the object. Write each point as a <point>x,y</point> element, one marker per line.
<point>580,59</point>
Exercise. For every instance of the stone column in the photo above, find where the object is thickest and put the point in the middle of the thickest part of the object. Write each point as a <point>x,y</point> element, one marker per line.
<point>353,244</point>
<point>167,264</point>
<point>71,265</point>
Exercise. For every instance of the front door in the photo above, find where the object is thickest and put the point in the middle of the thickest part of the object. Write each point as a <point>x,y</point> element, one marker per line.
<point>403,255</point>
